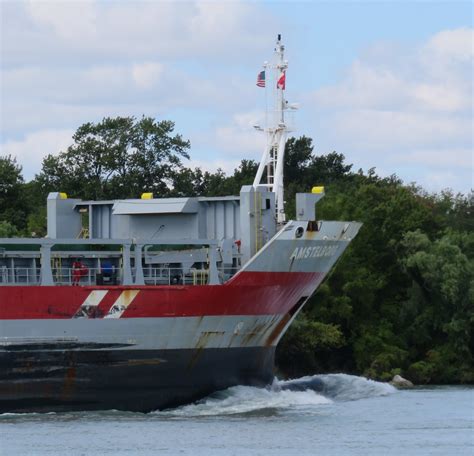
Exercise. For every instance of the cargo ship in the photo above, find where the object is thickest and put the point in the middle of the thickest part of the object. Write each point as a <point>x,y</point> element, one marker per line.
<point>149,303</point>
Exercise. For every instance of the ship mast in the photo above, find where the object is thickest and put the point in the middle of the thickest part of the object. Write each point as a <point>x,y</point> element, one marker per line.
<point>276,131</point>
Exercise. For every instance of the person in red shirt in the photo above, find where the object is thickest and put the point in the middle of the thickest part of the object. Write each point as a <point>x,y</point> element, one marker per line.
<point>78,270</point>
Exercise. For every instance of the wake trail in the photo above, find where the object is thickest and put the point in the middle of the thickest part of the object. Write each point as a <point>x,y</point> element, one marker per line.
<point>306,395</point>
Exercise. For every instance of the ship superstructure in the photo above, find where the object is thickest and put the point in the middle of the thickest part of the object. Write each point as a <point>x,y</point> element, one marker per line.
<point>148,303</point>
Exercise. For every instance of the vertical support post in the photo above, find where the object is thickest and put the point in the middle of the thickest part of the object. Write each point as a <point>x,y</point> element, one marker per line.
<point>126,267</point>
<point>139,277</point>
<point>12,271</point>
<point>248,226</point>
<point>278,187</point>
<point>265,161</point>
<point>213,272</point>
<point>33,271</point>
<point>46,272</point>
<point>91,222</point>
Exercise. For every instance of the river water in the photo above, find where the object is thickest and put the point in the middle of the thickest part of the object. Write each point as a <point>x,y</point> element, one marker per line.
<point>320,415</point>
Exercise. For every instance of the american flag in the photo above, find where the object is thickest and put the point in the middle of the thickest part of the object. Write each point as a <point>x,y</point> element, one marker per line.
<point>261,79</point>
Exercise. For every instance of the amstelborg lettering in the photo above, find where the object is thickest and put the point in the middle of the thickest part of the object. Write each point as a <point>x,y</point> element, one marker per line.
<point>313,252</point>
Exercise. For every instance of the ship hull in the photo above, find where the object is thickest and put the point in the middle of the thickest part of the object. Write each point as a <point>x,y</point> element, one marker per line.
<point>135,380</point>
<point>142,347</point>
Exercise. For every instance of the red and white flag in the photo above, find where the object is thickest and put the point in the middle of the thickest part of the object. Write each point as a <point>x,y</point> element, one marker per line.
<point>281,81</point>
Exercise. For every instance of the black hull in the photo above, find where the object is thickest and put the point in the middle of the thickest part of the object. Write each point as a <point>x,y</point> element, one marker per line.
<point>134,380</point>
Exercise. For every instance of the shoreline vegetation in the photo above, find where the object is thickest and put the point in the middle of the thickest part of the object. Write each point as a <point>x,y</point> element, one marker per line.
<point>399,302</point>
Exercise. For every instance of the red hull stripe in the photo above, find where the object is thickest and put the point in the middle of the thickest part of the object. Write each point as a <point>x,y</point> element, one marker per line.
<point>249,293</point>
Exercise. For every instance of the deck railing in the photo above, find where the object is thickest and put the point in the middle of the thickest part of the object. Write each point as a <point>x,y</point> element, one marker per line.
<point>96,276</point>
<point>128,251</point>
<point>20,276</point>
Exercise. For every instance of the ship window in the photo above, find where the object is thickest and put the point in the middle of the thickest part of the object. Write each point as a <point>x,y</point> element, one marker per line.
<point>267,203</point>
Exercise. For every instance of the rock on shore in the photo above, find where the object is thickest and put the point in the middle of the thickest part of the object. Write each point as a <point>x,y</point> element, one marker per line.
<point>401,382</point>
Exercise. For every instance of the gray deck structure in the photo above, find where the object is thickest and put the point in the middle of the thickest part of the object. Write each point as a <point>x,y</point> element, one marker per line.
<point>200,240</point>
<point>144,241</point>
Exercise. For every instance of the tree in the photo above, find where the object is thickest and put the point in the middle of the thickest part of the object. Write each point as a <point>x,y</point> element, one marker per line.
<point>306,346</point>
<point>298,157</point>
<point>439,310</point>
<point>303,170</point>
<point>243,175</point>
<point>12,205</point>
<point>7,229</point>
<point>195,182</point>
<point>117,158</point>
<point>402,294</point>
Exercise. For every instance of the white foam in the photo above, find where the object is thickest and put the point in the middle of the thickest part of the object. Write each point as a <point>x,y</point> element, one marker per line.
<point>247,399</point>
<point>303,394</point>
<point>341,387</point>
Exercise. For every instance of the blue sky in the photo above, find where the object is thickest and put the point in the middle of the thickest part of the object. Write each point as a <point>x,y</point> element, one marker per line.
<point>389,84</point>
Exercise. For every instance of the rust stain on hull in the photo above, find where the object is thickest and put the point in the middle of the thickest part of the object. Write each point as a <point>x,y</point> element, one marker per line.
<point>201,345</point>
<point>280,327</point>
<point>278,330</point>
<point>69,382</point>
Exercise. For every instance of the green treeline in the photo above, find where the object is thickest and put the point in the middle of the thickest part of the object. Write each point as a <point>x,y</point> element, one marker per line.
<point>400,300</point>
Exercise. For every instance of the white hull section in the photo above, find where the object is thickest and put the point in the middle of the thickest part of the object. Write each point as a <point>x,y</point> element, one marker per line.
<point>234,331</point>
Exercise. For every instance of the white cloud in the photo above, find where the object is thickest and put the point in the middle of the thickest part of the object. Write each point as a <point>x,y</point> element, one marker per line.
<point>239,137</point>
<point>440,180</point>
<point>31,150</point>
<point>428,77</point>
<point>440,97</point>
<point>68,20</point>
<point>147,74</point>
<point>39,98</point>
<point>107,31</point>
<point>406,106</point>
<point>365,86</point>
<point>97,83</point>
<point>66,63</point>
<point>454,45</point>
<point>462,158</point>
<point>386,129</point>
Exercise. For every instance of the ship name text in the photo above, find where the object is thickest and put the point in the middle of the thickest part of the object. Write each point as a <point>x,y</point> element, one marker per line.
<point>313,252</point>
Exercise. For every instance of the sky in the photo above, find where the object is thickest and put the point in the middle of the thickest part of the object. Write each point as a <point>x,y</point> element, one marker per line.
<point>387,83</point>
